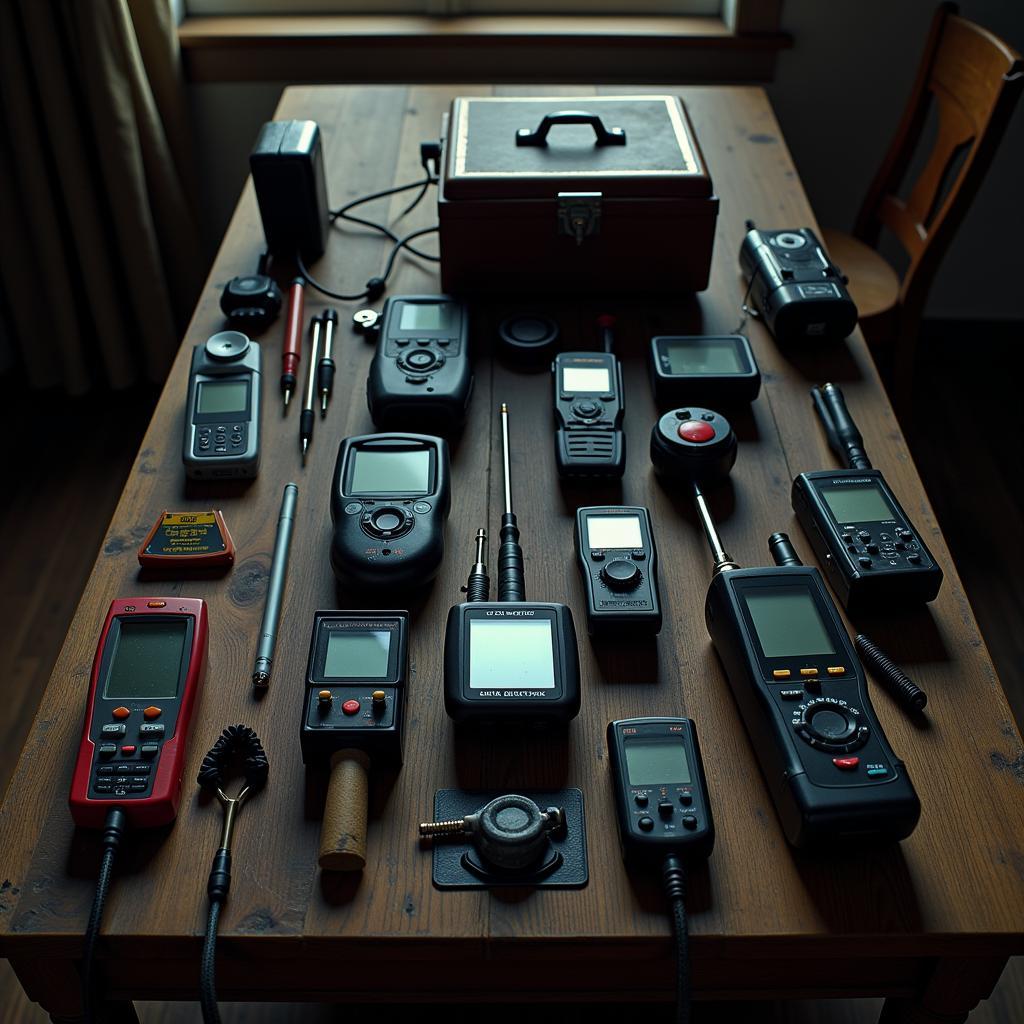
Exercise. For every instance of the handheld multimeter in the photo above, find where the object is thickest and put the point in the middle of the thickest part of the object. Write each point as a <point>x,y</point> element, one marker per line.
<point>716,369</point>
<point>871,553</point>
<point>222,413</point>
<point>589,407</point>
<point>618,562</point>
<point>353,717</point>
<point>661,794</point>
<point>389,503</point>
<point>146,678</point>
<point>420,374</point>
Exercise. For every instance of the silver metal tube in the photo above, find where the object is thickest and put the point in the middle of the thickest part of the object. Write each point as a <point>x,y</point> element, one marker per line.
<point>723,561</point>
<point>504,457</point>
<point>275,588</point>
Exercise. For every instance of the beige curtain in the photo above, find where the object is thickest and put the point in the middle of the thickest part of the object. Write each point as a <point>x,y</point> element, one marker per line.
<point>100,258</point>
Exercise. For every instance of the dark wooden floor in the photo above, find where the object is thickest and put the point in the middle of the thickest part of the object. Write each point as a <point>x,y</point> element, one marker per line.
<point>61,491</point>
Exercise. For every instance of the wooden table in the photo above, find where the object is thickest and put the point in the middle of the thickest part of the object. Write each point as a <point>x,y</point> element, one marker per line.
<point>929,923</point>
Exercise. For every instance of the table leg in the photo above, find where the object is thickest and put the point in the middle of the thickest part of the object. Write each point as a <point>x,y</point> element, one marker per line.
<point>56,986</point>
<point>948,993</point>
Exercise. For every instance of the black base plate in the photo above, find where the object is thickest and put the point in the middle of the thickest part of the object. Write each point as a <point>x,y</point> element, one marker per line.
<point>457,865</point>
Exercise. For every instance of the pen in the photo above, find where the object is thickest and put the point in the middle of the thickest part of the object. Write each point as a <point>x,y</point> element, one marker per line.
<point>325,372</point>
<point>275,589</point>
<point>292,339</point>
<point>306,419</point>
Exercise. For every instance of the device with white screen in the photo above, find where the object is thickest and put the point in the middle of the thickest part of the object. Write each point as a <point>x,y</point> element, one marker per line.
<point>589,406</point>
<point>661,794</point>
<point>618,562</point>
<point>389,503</point>
<point>222,412</point>
<point>871,553</point>
<point>420,376</point>
<point>718,370</point>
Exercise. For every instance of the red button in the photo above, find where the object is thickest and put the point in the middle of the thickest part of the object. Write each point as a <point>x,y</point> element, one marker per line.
<point>129,749</point>
<point>846,763</point>
<point>696,430</point>
<point>351,707</point>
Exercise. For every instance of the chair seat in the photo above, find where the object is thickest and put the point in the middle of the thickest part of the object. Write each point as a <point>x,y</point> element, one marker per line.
<point>874,286</point>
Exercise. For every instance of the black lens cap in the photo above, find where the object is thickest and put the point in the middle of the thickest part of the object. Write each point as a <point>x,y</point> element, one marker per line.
<point>528,338</point>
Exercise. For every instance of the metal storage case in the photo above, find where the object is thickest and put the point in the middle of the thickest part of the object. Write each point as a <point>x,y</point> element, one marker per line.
<point>611,196</point>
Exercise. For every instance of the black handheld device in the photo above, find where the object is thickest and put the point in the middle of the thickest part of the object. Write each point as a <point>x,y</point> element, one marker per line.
<point>662,805</point>
<point>871,553</point>
<point>222,411</point>
<point>251,302</point>
<point>618,562</point>
<point>794,287</point>
<point>589,406</point>
<point>510,660</point>
<point>719,369</point>
<point>353,718</point>
<point>420,374</point>
<point>390,498</point>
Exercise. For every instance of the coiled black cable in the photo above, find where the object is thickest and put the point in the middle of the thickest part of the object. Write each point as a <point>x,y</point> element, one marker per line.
<point>903,689</point>
<point>673,875</point>
<point>236,742</point>
<point>113,829</point>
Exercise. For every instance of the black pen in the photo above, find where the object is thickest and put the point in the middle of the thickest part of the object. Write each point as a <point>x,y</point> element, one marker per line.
<point>325,372</point>
<point>306,419</point>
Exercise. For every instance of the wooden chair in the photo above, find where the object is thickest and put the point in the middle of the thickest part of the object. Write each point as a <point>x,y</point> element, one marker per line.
<point>975,80</point>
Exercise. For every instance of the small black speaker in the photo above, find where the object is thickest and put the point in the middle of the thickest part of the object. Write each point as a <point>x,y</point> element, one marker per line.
<point>287,165</point>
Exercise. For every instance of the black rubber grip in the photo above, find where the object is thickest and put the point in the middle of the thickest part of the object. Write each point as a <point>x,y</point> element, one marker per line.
<point>220,876</point>
<point>511,572</point>
<point>306,425</point>
<point>325,376</point>
<point>287,382</point>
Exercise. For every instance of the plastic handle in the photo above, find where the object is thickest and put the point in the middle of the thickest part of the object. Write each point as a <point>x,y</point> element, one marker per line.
<point>539,137</point>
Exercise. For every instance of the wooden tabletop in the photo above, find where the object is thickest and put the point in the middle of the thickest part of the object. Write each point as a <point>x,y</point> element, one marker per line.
<point>869,921</point>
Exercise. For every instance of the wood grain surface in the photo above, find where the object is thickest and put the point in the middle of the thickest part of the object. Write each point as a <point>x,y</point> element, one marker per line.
<point>877,922</point>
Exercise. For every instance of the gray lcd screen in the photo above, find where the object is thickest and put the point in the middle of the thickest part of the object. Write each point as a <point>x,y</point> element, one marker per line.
<point>511,654</point>
<point>146,663</point>
<point>586,379</point>
<point>380,472</point>
<point>222,396</point>
<point>357,655</point>
<point>425,316</point>
<point>787,622</point>
<point>709,355</point>
<point>857,503</point>
<point>614,532</point>
<point>650,762</point>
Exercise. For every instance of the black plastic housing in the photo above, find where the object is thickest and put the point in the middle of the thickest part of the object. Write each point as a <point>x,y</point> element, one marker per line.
<point>420,377</point>
<point>819,802</point>
<point>589,441</point>
<point>721,388</point>
<point>667,833</point>
<point>869,564</point>
<point>408,555</point>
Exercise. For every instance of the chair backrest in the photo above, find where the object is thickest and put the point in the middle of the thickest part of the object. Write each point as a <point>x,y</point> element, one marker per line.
<point>974,79</point>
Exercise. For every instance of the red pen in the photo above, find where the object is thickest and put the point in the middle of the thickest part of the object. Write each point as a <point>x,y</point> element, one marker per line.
<point>293,338</point>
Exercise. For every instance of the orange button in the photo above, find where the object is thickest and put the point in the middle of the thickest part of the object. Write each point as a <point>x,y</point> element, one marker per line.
<point>808,671</point>
<point>152,712</point>
<point>156,604</point>
<point>324,696</point>
<point>120,712</point>
<point>836,670</point>
<point>781,673</point>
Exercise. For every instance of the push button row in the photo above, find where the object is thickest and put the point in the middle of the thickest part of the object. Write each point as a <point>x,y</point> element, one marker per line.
<point>152,711</point>
<point>807,673</point>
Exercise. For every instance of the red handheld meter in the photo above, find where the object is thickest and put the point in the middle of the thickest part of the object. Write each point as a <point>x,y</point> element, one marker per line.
<point>146,677</point>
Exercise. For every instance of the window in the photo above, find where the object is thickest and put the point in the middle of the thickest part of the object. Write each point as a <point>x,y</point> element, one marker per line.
<point>701,8</point>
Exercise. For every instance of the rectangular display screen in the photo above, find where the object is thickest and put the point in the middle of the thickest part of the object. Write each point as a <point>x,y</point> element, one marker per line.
<point>359,654</point>
<point>379,472</point>
<point>146,663</point>
<point>661,759</point>
<point>222,396</point>
<point>710,355</point>
<point>614,532</point>
<point>857,503</point>
<point>511,654</point>
<point>787,622</point>
<point>586,378</point>
<point>425,316</point>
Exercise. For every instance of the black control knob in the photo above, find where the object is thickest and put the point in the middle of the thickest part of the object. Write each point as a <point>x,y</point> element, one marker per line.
<point>831,725</point>
<point>665,808</point>
<point>621,574</point>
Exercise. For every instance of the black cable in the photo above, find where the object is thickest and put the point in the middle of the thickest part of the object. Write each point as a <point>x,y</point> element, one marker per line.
<point>390,234</point>
<point>113,829</point>
<point>207,985</point>
<point>674,878</point>
<point>383,193</point>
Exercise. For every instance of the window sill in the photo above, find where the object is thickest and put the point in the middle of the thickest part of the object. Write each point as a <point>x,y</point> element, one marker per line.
<point>409,48</point>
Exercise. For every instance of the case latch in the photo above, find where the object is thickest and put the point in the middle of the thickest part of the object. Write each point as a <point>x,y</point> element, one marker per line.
<point>579,214</point>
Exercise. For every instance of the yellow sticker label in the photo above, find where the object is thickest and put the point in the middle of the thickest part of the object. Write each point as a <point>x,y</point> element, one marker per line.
<point>189,519</point>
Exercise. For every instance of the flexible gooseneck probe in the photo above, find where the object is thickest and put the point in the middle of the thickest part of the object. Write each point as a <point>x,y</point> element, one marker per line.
<point>723,560</point>
<point>511,574</point>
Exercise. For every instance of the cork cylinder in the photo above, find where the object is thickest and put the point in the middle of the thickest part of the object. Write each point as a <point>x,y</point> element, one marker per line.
<point>343,833</point>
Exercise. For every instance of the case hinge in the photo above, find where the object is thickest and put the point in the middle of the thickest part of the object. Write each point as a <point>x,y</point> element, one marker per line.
<point>579,214</point>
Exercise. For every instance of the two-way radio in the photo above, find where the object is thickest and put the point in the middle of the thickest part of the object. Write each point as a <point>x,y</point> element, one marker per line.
<point>871,552</point>
<point>589,406</point>
<point>353,716</point>
<point>389,503</point>
<point>618,563</point>
<point>510,659</point>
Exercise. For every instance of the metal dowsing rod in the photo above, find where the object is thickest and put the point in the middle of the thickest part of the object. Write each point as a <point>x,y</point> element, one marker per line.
<point>723,560</point>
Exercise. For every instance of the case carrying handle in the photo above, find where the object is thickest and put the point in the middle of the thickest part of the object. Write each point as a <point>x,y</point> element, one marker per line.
<point>539,137</point>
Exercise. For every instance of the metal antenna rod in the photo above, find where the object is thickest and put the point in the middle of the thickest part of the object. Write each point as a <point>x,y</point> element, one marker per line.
<point>505,460</point>
<point>511,571</point>
<point>723,560</point>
